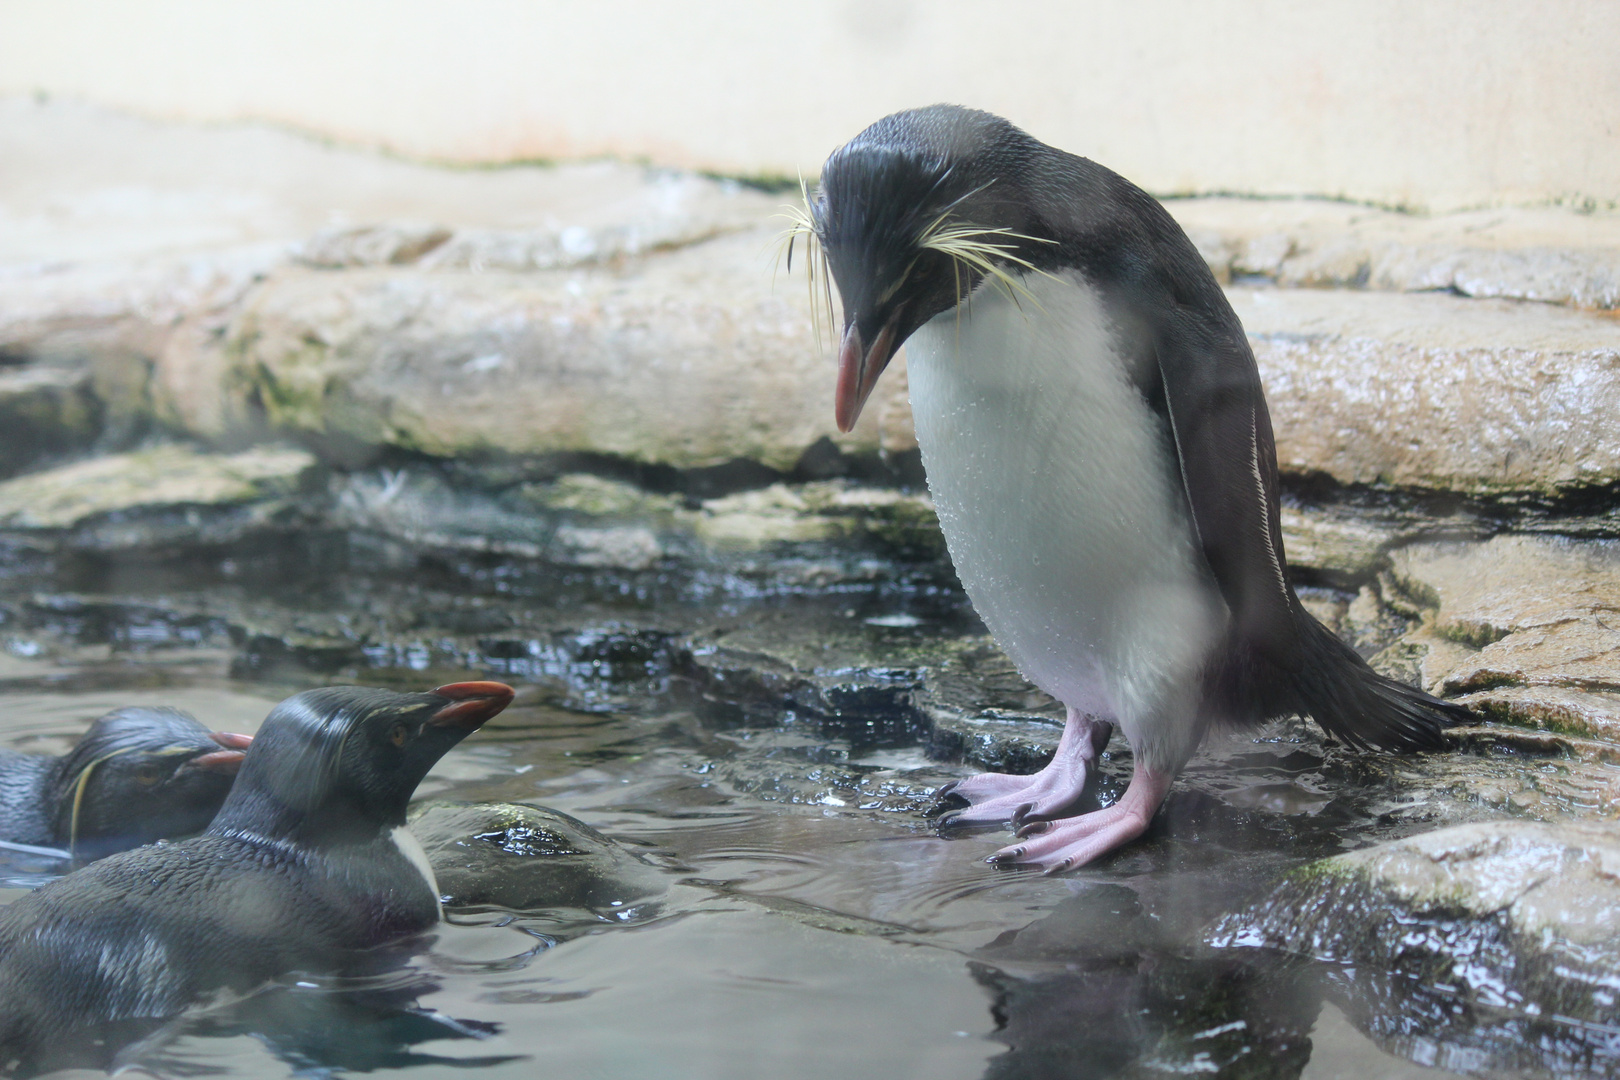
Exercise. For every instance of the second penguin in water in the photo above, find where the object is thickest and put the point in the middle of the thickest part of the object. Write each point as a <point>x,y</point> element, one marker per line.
<point>139,774</point>
<point>308,861</point>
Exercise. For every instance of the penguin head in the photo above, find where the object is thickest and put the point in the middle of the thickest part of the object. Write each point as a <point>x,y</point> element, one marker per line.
<point>142,774</point>
<point>341,763</point>
<point>912,215</point>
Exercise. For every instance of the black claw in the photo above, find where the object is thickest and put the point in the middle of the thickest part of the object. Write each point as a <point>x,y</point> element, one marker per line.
<point>945,801</point>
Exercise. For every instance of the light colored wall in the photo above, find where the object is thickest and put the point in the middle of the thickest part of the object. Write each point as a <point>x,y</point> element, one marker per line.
<point>1427,103</point>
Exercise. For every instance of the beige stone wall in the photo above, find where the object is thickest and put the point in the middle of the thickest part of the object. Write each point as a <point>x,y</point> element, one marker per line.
<point>1440,104</point>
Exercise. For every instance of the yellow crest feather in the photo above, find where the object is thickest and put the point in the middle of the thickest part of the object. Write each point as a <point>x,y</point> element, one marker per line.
<point>977,248</point>
<point>802,225</point>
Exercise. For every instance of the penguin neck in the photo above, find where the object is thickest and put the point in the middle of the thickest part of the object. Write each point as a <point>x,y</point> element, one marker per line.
<point>334,821</point>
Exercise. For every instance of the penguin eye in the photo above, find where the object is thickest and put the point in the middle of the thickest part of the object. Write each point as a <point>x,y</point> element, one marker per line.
<point>399,735</point>
<point>148,773</point>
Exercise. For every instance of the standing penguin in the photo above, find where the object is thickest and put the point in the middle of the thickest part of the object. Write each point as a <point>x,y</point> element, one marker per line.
<point>1098,448</point>
<point>308,860</point>
<point>138,775</point>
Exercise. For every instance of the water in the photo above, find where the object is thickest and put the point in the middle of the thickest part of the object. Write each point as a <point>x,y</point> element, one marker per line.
<point>812,921</point>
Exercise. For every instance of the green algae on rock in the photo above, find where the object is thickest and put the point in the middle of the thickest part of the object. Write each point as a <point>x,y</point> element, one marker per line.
<point>162,476</point>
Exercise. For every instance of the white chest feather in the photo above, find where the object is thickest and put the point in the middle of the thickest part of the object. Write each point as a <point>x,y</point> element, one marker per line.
<point>1059,495</point>
<point>410,847</point>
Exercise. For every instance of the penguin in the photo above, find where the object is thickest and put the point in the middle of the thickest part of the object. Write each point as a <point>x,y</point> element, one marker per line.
<point>1098,448</point>
<point>307,863</point>
<point>137,775</point>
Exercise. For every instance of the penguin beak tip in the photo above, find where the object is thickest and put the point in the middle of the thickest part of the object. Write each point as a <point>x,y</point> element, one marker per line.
<point>224,762</point>
<point>471,703</point>
<point>859,368</point>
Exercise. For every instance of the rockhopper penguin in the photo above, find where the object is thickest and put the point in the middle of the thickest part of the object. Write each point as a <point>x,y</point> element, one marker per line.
<point>1098,448</point>
<point>138,775</point>
<point>308,860</point>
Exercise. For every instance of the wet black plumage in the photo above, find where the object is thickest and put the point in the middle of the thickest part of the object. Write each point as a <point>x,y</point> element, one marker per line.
<point>300,869</point>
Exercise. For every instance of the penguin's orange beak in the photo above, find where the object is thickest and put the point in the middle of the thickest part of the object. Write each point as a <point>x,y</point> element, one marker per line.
<point>859,368</point>
<point>471,703</point>
<point>225,761</point>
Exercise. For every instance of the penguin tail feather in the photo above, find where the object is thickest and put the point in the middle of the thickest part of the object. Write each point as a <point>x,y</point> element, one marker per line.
<point>1356,705</point>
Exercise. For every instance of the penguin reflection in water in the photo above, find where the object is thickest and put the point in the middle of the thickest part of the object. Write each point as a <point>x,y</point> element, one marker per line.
<point>138,775</point>
<point>307,861</point>
<point>1100,455</point>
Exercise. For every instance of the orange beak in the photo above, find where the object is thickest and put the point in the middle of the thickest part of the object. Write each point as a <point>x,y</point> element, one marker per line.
<point>471,703</point>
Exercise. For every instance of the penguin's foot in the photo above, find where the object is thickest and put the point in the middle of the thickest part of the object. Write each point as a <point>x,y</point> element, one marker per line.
<point>1056,846</point>
<point>997,798</point>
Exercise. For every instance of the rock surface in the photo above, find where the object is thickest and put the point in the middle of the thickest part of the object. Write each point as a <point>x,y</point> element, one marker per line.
<point>688,360</point>
<point>1521,626</point>
<point>240,280</point>
<point>1558,255</point>
<point>156,479</point>
<point>1437,392</point>
<point>1499,942</point>
<point>527,858</point>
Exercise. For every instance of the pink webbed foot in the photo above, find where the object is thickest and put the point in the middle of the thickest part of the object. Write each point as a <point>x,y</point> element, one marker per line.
<point>1054,847</point>
<point>997,798</point>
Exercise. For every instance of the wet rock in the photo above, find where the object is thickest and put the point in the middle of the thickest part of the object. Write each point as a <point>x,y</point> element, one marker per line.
<point>821,511</point>
<point>526,858</point>
<point>44,411</point>
<point>1521,626</point>
<point>982,711</point>
<point>808,536</point>
<point>1334,544</point>
<point>159,478</point>
<point>1551,254</point>
<point>1489,946</point>
<point>1437,392</point>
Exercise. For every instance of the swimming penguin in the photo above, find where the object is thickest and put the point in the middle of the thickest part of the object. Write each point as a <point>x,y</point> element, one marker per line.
<point>1098,449</point>
<point>308,861</point>
<point>138,775</point>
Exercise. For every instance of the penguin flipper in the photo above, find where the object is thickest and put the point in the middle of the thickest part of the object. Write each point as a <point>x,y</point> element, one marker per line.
<point>1222,430</point>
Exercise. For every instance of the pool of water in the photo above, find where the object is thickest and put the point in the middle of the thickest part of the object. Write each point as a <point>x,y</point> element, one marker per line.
<point>814,923</point>
<point>810,919</point>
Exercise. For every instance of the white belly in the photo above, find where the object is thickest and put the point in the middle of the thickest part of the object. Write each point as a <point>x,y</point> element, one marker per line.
<point>1061,503</point>
<point>410,847</point>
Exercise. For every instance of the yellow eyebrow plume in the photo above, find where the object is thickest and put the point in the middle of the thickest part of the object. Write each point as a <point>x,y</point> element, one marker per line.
<point>978,248</point>
<point>802,224</point>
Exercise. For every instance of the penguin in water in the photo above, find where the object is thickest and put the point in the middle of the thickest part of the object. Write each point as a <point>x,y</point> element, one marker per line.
<point>1099,451</point>
<point>307,862</point>
<point>138,775</point>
